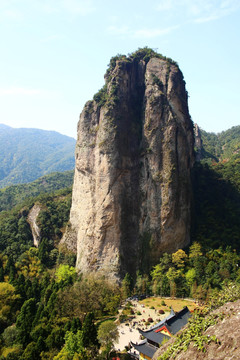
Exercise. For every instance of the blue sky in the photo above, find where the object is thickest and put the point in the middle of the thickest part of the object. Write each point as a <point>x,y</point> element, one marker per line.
<point>54,54</point>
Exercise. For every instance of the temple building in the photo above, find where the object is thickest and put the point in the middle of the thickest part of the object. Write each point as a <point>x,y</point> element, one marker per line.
<point>160,333</point>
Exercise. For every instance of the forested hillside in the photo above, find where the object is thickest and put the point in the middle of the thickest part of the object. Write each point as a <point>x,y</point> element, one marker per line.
<point>46,310</point>
<point>224,145</point>
<point>216,191</point>
<point>49,312</point>
<point>27,154</point>
<point>15,194</point>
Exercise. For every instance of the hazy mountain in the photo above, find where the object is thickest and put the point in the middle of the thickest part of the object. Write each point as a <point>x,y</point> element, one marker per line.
<point>27,154</point>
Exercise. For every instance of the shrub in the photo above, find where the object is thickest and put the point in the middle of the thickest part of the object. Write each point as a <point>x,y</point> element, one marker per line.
<point>122,318</point>
<point>128,304</point>
<point>10,335</point>
<point>128,311</point>
<point>101,96</point>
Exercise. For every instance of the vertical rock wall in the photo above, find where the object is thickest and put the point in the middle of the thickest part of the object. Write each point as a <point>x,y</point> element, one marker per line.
<point>132,189</point>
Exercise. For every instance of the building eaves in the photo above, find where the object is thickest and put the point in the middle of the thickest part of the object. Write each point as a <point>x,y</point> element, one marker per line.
<point>177,322</point>
<point>145,348</point>
<point>153,336</point>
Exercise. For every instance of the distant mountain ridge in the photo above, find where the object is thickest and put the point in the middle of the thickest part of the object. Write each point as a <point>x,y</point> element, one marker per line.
<point>26,154</point>
<point>222,146</point>
<point>16,194</point>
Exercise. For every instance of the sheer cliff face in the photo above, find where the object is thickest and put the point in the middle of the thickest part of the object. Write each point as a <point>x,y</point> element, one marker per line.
<point>131,194</point>
<point>198,142</point>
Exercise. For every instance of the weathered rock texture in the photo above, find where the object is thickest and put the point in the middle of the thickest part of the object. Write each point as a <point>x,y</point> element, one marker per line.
<point>32,220</point>
<point>226,331</point>
<point>197,143</point>
<point>132,191</point>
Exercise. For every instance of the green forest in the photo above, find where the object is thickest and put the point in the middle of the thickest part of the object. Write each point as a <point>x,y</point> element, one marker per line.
<point>13,195</point>
<point>27,154</point>
<point>48,311</point>
<point>216,191</point>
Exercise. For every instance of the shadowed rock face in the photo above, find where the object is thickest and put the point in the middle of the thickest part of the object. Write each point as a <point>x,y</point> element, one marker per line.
<point>132,190</point>
<point>198,143</point>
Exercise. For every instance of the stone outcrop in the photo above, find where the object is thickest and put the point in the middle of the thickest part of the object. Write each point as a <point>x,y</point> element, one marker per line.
<point>226,331</point>
<point>32,220</point>
<point>132,188</point>
<point>197,143</point>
